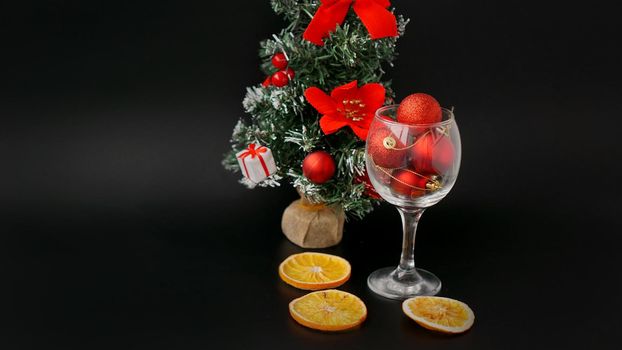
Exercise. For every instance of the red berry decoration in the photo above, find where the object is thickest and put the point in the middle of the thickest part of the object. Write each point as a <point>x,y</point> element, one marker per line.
<point>432,154</point>
<point>419,108</point>
<point>279,61</point>
<point>386,149</point>
<point>318,167</point>
<point>280,79</point>
<point>267,82</point>
<point>410,184</point>
<point>370,191</point>
<point>290,73</point>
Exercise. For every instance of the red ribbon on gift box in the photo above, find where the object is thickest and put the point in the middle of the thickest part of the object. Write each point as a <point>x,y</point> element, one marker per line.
<point>379,21</point>
<point>253,152</point>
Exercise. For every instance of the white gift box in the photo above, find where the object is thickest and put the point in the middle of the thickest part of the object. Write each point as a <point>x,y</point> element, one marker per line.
<point>256,162</point>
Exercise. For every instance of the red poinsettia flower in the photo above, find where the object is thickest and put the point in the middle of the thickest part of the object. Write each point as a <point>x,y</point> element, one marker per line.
<point>347,105</point>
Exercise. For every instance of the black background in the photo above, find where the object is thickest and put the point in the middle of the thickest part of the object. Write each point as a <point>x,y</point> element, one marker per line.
<point>120,229</point>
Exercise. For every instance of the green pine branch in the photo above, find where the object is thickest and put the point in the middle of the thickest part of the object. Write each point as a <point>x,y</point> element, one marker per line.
<point>282,120</point>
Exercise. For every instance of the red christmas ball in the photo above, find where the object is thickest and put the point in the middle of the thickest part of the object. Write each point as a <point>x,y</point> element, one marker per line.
<point>432,154</point>
<point>279,61</point>
<point>406,183</point>
<point>280,79</point>
<point>419,108</point>
<point>386,149</point>
<point>318,167</point>
<point>267,82</point>
<point>290,73</point>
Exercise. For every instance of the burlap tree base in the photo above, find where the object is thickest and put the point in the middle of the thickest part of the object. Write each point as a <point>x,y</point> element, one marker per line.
<point>310,225</point>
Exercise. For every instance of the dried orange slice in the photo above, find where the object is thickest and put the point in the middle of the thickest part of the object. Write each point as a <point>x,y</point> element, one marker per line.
<point>439,314</point>
<point>313,271</point>
<point>328,310</point>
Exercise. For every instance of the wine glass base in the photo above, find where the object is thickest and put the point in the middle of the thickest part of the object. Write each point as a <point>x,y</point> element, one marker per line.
<point>396,283</point>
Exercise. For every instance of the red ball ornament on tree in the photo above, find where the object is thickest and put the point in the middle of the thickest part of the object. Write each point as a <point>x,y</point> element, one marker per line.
<point>385,149</point>
<point>432,154</point>
<point>318,167</point>
<point>410,184</point>
<point>279,61</point>
<point>279,79</point>
<point>419,108</point>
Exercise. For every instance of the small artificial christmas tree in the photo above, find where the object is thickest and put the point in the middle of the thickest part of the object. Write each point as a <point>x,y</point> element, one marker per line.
<point>324,82</point>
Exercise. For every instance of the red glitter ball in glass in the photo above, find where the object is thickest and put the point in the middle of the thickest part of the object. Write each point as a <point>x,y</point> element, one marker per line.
<point>407,183</point>
<point>386,149</point>
<point>432,154</point>
<point>419,108</point>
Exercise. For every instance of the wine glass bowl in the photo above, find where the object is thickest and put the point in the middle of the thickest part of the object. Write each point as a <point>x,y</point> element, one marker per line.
<point>412,166</point>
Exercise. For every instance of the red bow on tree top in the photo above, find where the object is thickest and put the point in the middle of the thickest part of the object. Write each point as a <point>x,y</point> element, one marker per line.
<point>347,105</point>
<point>379,21</point>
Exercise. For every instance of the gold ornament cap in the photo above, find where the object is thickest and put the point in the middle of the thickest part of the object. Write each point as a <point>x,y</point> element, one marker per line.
<point>389,142</point>
<point>433,184</point>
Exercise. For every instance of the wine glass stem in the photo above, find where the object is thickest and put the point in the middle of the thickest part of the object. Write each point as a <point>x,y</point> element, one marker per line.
<point>410,219</point>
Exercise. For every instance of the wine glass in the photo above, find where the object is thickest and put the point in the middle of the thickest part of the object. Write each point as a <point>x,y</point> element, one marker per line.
<point>412,166</point>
